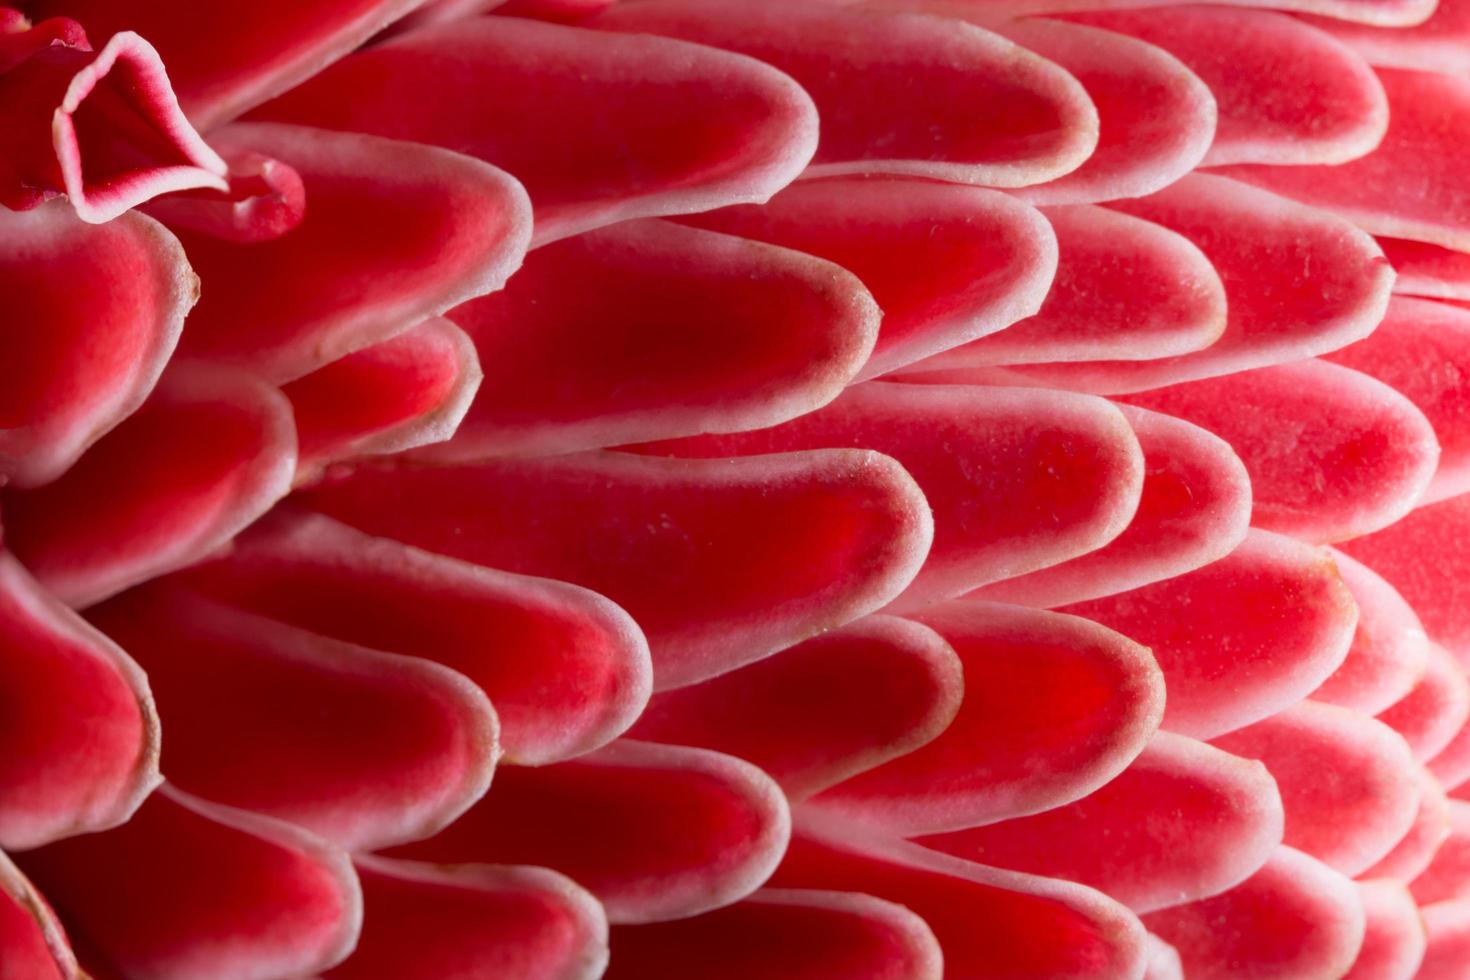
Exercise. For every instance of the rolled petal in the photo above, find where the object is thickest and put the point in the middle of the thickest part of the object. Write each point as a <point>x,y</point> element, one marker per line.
<point>988,922</point>
<point>601,128</point>
<point>655,832</point>
<point>410,390</point>
<point>1298,282</point>
<point>393,233</point>
<point>1352,819</point>
<point>1431,827</point>
<point>92,314</point>
<point>1017,479</point>
<point>227,56</point>
<point>788,545</point>
<point>823,710</point>
<point>1390,650</point>
<point>565,669</point>
<point>900,93</point>
<point>1422,349</point>
<point>649,330</point>
<point>1448,926</point>
<point>1448,875</point>
<point>190,889</point>
<point>1125,288</point>
<point>80,733</point>
<point>1242,638</point>
<point>1332,453</point>
<point>945,263</point>
<point>460,922</point>
<point>1195,508</point>
<point>382,748</point>
<point>1427,270</point>
<point>33,946</point>
<point>783,934</point>
<point>1295,919</point>
<point>1337,110</point>
<point>1431,714</point>
<point>1395,938</point>
<point>1426,112</point>
<point>1054,707</point>
<point>1212,821</point>
<point>210,452</point>
<point>266,198</point>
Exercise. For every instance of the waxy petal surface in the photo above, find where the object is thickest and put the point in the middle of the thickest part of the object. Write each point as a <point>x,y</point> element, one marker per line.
<point>1431,827</point>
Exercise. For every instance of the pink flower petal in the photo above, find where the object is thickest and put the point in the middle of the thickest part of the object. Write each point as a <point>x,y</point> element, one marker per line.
<point>899,93</point>
<point>1242,638</point>
<point>1436,44</point>
<point>382,748</point>
<point>787,545</point>
<point>1394,940</point>
<point>1431,714</point>
<point>655,832</point>
<point>1183,822</point>
<point>92,314</point>
<point>1332,453</point>
<point>565,669</point>
<point>1430,829</point>
<point>669,331</point>
<point>209,453</point>
<point>1448,925</point>
<point>1054,707</point>
<point>188,889</point>
<point>601,128</point>
<point>1448,875</point>
<point>1388,13</point>
<point>394,232</point>
<point>1427,270</point>
<point>823,710</point>
<point>783,933</point>
<point>462,922</point>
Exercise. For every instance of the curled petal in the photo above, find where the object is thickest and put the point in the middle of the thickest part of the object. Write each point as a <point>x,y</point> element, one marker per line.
<point>1195,508</point>
<point>461,922</point>
<point>1427,270</point>
<point>655,832</point>
<point>93,313</point>
<point>1394,938</point>
<point>266,198</point>
<point>783,934</point>
<point>1242,638</point>
<point>820,711</point>
<point>601,128</point>
<point>720,561</point>
<point>382,748</point>
<point>189,889</point>
<point>1212,821</point>
<point>1332,453</point>
<point>565,669</point>
<point>900,93</point>
<point>209,453</point>
<point>1054,707</point>
<point>1295,919</point>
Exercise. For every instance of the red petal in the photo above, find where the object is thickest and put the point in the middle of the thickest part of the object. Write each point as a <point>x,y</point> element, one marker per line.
<point>1332,453</point>
<point>394,233</point>
<point>720,561</point>
<point>1054,707</point>
<point>989,923</point>
<point>1448,925</point>
<point>1125,288</point>
<point>1448,875</point>
<point>188,889</point>
<point>1394,941</point>
<point>1427,112</point>
<point>410,390</point>
<point>33,945</point>
<point>900,93</point>
<point>601,128</point>
<point>92,314</point>
<point>80,734</point>
<point>1347,782</point>
<point>1294,919</point>
<point>1240,639</point>
<point>1427,270</point>
<point>565,669</point>
<point>823,710</point>
<point>648,330</point>
<point>1436,44</point>
<point>1431,714</point>
<point>1336,112</point>
<point>1388,13</point>
<point>946,263</point>
<point>1431,826</point>
<point>462,922</point>
<point>209,453</point>
<point>1184,821</point>
<point>1194,509</point>
<point>1017,479</point>
<point>655,832</point>
<point>783,934</point>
